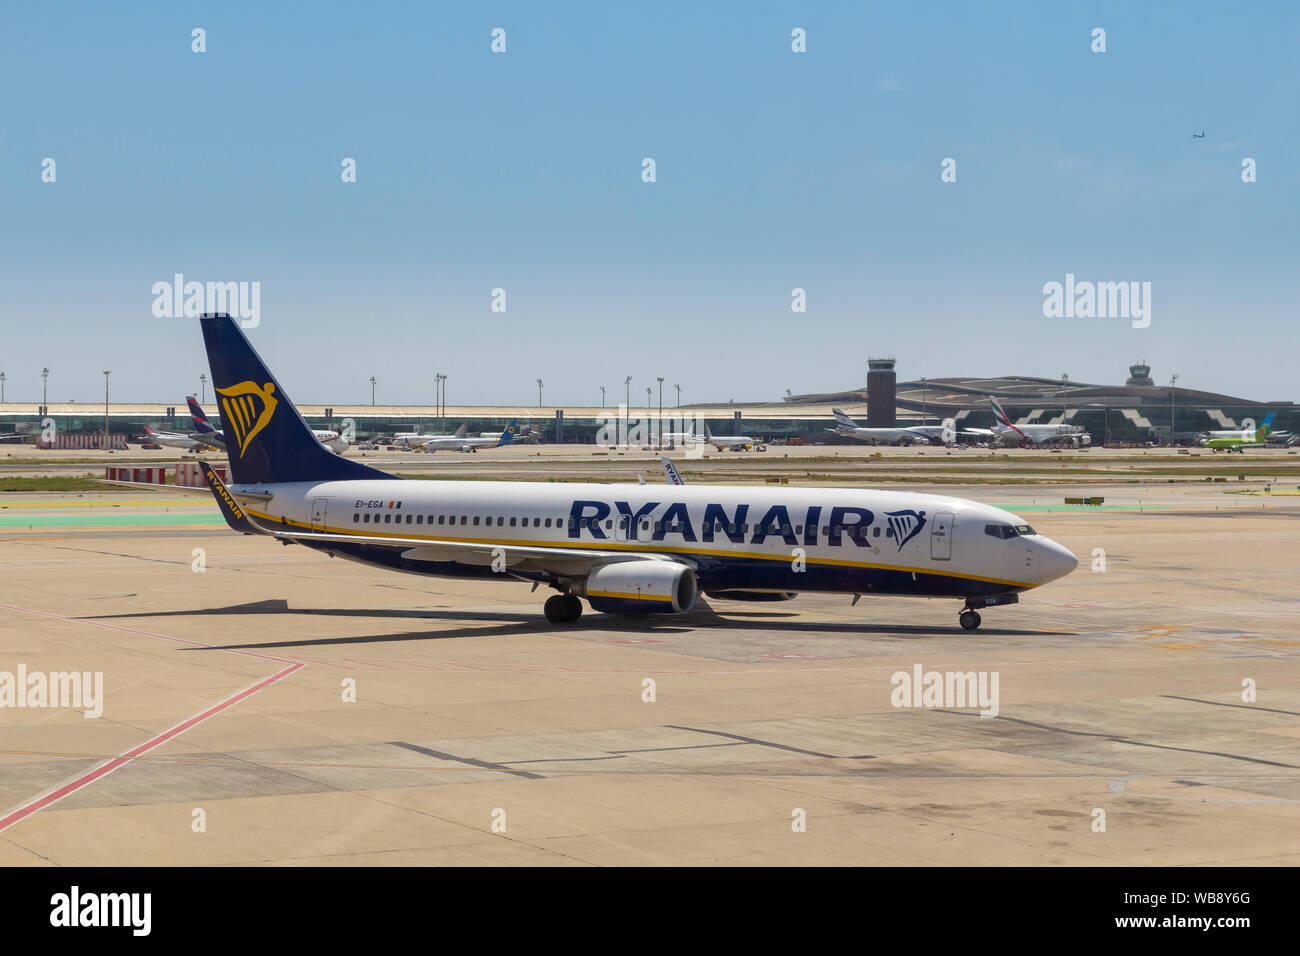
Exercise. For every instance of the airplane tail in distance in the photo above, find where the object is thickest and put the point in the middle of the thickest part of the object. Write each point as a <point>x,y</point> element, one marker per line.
<point>508,433</point>
<point>670,472</point>
<point>842,419</point>
<point>1261,433</point>
<point>199,417</point>
<point>266,438</point>
<point>1002,416</point>
<point>460,432</point>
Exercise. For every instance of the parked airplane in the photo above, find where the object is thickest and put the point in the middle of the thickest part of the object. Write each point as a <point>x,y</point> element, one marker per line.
<point>1009,433</point>
<point>181,440</point>
<point>1238,441</point>
<point>913,435</point>
<point>725,442</point>
<point>630,549</point>
<point>470,444</point>
<point>235,406</point>
<point>414,439</point>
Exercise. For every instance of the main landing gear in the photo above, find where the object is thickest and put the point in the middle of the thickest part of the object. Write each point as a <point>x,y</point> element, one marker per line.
<point>562,609</point>
<point>969,619</point>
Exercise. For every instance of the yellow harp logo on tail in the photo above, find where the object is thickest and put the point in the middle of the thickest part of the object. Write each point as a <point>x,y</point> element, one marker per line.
<point>246,409</point>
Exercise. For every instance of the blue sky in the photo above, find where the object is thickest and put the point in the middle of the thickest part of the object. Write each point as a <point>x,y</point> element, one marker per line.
<point>522,170</point>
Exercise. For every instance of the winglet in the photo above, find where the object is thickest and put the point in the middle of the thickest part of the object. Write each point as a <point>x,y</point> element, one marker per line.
<point>226,503</point>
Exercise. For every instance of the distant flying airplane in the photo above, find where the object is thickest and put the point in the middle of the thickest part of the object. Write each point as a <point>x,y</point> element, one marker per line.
<point>625,548</point>
<point>1200,135</point>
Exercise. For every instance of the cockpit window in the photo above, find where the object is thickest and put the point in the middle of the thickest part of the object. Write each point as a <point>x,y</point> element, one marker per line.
<point>1007,530</point>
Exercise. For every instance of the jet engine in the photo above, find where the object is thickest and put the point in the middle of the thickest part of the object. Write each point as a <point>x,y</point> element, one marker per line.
<point>639,587</point>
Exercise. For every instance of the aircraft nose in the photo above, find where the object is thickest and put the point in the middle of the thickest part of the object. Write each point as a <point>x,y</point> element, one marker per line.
<point>1054,560</point>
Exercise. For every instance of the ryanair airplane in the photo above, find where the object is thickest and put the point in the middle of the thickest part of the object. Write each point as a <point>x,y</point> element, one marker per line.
<point>625,549</point>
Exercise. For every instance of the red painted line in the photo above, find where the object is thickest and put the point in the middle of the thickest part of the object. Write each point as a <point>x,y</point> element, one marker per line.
<point>109,766</point>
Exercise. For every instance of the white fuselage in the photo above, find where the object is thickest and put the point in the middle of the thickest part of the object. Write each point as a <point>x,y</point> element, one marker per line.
<point>173,440</point>
<point>801,539</point>
<point>1041,434</point>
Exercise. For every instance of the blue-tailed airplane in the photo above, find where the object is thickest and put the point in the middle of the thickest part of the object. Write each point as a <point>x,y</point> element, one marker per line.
<point>627,549</point>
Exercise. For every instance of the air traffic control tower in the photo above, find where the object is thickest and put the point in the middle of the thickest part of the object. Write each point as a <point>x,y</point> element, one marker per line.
<point>882,387</point>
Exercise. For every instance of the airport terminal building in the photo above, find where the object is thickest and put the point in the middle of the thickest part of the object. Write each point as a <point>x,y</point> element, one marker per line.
<point>1137,411</point>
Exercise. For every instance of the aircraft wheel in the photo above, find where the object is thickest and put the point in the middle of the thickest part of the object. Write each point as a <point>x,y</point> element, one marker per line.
<point>969,619</point>
<point>562,609</point>
<point>555,609</point>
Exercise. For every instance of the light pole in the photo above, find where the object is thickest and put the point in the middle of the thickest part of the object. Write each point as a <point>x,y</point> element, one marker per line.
<point>539,393</point>
<point>203,387</point>
<point>107,372</point>
<point>679,395</point>
<point>602,396</point>
<point>438,380</point>
<point>372,390</point>
<point>659,428</point>
<point>627,382</point>
<point>924,417</point>
<point>2,388</point>
<point>1173,380</point>
<point>45,380</point>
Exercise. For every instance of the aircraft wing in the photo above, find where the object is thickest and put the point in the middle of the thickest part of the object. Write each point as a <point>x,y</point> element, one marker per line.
<point>515,557</point>
<point>183,489</point>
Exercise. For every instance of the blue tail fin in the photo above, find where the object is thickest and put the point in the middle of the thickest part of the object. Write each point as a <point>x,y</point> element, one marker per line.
<point>508,433</point>
<point>266,439</point>
<point>198,416</point>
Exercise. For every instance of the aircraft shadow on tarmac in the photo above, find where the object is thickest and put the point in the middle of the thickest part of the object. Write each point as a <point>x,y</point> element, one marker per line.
<point>528,621</point>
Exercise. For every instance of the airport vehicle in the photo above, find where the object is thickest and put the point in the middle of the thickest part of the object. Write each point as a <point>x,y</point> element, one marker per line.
<point>630,549</point>
<point>1239,441</point>
<point>914,435</point>
<point>1009,433</point>
<point>729,442</point>
<point>235,406</point>
<point>466,444</point>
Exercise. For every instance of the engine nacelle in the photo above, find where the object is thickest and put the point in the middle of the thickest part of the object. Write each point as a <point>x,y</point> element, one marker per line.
<point>639,587</point>
<point>753,595</point>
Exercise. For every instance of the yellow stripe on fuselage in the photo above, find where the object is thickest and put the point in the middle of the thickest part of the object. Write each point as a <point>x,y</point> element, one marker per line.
<point>614,546</point>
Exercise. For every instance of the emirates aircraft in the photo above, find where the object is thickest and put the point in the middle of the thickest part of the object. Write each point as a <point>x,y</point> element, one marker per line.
<point>1007,432</point>
<point>623,549</point>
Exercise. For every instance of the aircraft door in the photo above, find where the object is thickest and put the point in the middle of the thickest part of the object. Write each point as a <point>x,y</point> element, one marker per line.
<point>941,536</point>
<point>318,514</point>
<point>624,529</point>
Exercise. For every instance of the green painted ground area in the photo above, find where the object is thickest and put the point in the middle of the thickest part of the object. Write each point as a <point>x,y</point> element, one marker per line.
<point>122,518</point>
